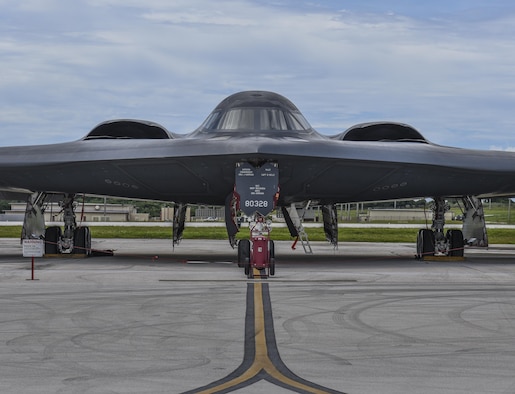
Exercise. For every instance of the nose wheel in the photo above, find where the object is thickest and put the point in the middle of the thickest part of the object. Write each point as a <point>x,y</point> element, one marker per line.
<point>257,255</point>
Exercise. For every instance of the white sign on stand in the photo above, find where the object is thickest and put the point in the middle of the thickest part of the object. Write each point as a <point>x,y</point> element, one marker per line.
<point>33,248</point>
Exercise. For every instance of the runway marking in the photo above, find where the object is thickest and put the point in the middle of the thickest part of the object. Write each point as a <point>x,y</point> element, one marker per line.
<point>261,360</point>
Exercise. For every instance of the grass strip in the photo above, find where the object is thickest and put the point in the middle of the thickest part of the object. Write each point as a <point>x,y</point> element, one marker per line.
<point>495,236</point>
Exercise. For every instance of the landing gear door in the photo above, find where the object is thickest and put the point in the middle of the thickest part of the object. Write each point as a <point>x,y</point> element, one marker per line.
<point>257,187</point>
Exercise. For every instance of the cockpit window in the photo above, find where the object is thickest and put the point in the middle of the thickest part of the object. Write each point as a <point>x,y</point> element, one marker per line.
<point>273,119</point>
<point>261,119</point>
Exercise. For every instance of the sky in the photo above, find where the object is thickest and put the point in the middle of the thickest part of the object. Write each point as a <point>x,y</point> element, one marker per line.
<point>445,67</point>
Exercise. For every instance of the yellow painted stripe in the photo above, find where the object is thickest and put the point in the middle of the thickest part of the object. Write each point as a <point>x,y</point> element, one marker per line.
<point>261,359</point>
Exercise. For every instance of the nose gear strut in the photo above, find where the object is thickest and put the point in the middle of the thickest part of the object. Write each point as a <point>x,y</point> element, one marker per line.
<point>255,194</point>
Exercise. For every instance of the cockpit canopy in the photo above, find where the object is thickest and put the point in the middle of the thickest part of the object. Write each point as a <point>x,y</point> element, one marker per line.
<point>258,119</point>
<point>255,111</point>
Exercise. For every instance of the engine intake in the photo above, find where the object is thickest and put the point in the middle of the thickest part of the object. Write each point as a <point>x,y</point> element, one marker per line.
<point>381,131</point>
<point>128,129</point>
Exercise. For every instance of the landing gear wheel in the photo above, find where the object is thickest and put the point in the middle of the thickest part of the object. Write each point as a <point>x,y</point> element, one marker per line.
<point>425,243</point>
<point>243,252</point>
<point>82,241</point>
<point>249,270</point>
<point>455,238</point>
<point>52,236</point>
<point>271,252</point>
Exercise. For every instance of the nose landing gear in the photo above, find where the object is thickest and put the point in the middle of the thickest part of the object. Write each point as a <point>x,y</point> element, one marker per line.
<point>256,191</point>
<point>257,254</point>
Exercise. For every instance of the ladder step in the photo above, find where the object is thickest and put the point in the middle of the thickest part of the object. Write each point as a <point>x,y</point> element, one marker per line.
<point>297,222</point>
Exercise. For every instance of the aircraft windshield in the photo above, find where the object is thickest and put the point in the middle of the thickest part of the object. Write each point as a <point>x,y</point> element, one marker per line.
<point>261,119</point>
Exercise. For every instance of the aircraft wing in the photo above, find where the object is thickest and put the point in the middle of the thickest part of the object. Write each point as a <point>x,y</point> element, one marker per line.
<point>367,163</point>
<point>202,171</point>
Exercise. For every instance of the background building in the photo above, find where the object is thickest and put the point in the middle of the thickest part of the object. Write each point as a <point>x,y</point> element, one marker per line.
<point>87,212</point>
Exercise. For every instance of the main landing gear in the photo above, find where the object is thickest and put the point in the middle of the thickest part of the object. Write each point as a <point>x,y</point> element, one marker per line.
<point>71,239</point>
<point>258,252</point>
<point>436,242</point>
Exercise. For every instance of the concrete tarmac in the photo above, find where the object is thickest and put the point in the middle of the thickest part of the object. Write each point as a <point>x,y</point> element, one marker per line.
<point>366,318</point>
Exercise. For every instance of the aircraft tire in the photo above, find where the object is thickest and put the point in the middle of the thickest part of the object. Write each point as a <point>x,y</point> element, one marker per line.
<point>249,271</point>
<point>82,241</point>
<point>456,242</point>
<point>52,235</point>
<point>271,252</point>
<point>243,251</point>
<point>425,243</point>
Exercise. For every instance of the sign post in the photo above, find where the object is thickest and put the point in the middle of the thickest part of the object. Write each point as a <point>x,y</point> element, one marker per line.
<point>33,248</point>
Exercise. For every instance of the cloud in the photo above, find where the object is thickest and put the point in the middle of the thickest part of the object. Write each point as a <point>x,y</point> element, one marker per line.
<point>500,148</point>
<point>66,67</point>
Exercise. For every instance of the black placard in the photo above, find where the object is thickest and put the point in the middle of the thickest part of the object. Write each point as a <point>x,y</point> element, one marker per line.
<point>257,187</point>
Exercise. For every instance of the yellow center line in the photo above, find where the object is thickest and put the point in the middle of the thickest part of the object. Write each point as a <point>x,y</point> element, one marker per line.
<point>262,358</point>
<point>261,361</point>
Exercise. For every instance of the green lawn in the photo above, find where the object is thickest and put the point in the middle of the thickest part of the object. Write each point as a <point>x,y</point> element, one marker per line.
<point>496,236</point>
